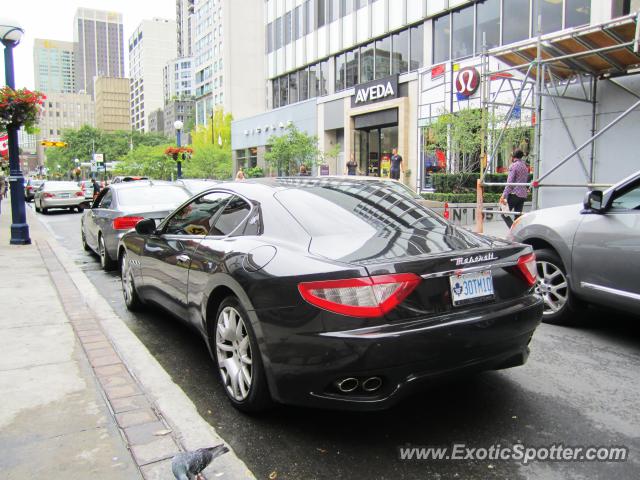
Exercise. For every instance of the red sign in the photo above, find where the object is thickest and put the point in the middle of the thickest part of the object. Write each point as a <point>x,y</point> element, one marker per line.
<point>467,81</point>
<point>437,71</point>
<point>4,144</point>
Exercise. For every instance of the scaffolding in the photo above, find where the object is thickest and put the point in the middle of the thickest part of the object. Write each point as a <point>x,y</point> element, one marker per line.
<point>556,66</point>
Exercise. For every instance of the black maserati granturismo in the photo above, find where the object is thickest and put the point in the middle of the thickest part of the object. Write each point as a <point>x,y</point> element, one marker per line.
<point>332,292</point>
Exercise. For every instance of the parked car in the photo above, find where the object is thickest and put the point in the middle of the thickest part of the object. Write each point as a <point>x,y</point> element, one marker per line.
<point>56,194</point>
<point>119,207</point>
<point>127,178</point>
<point>196,185</point>
<point>340,293</point>
<point>587,252</point>
<point>30,188</point>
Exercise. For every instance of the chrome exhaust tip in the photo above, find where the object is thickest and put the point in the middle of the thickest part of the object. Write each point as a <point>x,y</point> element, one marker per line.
<point>372,384</point>
<point>347,385</point>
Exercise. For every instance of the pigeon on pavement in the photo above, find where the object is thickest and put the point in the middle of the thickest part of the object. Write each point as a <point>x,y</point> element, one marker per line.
<point>189,465</point>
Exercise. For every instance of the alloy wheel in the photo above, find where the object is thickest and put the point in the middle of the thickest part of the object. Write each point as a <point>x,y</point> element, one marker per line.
<point>552,286</point>
<point>127,280</point>
<point>233,350</point>
<point>102,251</point>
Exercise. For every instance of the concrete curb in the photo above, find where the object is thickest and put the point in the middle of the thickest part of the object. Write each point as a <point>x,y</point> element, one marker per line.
<point>189,430</point>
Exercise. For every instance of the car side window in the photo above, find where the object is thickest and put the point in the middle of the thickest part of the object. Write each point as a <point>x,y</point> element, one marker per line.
<point>106,200</point>
<point>628,200</point>
<point>231,217</point>
<point>197,217</point>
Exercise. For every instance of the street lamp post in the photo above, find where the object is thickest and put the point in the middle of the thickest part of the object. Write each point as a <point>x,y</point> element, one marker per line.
<point>10,35</point>
<point>178,126</point>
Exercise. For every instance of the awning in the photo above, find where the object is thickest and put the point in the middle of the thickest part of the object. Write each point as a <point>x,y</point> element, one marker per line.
<point>608,49</point>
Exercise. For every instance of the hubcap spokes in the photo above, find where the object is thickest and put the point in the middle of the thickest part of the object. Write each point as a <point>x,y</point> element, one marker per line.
<point>127,280</point>
<point>552,286</point>
<point>233,350</point>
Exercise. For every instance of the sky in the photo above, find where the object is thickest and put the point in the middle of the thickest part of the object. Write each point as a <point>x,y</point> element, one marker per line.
<point>53,19</point>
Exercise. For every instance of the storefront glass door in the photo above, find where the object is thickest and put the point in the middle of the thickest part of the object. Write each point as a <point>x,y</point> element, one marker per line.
<point>373,149</point>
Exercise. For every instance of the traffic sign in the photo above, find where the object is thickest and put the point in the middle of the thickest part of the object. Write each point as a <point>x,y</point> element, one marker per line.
<point>51,143</point>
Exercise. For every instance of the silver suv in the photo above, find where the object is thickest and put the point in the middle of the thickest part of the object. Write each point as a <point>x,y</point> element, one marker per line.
<point>588,252</point>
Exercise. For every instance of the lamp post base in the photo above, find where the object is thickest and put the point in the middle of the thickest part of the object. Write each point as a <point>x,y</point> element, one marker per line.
<point>20,234</point>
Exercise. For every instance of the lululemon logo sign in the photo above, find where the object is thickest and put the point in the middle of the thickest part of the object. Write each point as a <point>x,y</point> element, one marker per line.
<point>467,81</point>
<point>379,90</point>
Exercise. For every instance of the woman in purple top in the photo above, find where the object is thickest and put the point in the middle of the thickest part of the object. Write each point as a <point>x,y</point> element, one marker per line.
<point>513,195</point>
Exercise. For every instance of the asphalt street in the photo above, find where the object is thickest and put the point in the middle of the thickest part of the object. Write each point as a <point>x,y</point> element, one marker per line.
<point>580,387</point>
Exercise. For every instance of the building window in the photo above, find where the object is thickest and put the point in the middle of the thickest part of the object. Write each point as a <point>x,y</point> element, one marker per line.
<point>462,33</point>
<point>284,91</point>
<point>298,26</point>
<point>417,47</point>
<point>334,10</point>
<point>314,81</point>
<point>293,87</point>
<point>270,37</point>
<point>441,38</point>
<point>287,28</point>
<point>324,78</point>
<point>303,90</point>
<point>577,12</point>
<point>278,33</point>
<point>352,68</point>
<point>308,17</point>
<point>320,12</point>
<point>550,13</point>
<point>515,15</point>
<point>488,23</point>
<point>400,52</point>
<point>346,7</point>
<point>383,58</point>
<point>367,57</point>
<point>275,87</point>
<point>341,72</point>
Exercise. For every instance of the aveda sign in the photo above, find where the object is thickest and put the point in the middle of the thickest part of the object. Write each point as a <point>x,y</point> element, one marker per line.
<point>376,91</point>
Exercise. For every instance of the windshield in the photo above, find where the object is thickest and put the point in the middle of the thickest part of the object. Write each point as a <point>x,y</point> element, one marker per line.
<point>152,195</point>
<point>358,207</point>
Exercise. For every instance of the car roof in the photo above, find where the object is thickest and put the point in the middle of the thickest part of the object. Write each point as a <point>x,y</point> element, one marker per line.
<point>141,183</point>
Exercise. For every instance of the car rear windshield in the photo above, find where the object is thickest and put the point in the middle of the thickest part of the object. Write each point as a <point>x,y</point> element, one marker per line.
<point>61,186</point>
<point>152,195</point>
<point>355,207</point>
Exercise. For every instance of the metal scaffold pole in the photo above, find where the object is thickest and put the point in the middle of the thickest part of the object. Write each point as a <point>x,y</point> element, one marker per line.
<point>538,111</point>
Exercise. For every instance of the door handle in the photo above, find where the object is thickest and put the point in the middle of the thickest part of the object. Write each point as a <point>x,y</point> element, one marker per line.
<point>183,260</point>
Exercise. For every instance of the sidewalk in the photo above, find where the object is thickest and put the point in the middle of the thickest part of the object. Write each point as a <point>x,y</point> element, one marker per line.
<point>81,396</point>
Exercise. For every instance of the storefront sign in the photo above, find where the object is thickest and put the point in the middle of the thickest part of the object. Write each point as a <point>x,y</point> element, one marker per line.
<point>467,81</point>
<point>324,170</point>
<point>376,91</point>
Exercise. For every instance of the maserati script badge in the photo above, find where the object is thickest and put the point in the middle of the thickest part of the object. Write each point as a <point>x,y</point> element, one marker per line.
<point>485,257</point>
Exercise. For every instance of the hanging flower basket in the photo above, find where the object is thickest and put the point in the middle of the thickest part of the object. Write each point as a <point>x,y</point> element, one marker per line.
<point>20,108</point>
<point>182,153</point>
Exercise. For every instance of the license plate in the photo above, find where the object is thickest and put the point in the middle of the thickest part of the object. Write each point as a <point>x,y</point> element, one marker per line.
<point>63,195</point>
<point>471,287</point>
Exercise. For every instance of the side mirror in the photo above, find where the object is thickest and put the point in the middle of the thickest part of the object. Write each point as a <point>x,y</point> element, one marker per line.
<point>593,201</point>
<point>146,226</point>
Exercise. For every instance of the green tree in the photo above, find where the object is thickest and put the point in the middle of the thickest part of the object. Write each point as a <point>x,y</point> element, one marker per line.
<point>149,161</point>
<point>291,150</point>
<point>211,149</point>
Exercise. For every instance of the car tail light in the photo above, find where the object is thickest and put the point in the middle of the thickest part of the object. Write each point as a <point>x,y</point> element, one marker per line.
<point>527,267</point>
<point>29,188</point>
<point>79,194</point>
<point>360,297</point>
<point>125,223</point>
<point>48,195</point>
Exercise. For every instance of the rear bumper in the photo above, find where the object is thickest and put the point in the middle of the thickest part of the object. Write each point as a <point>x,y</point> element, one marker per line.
<point>406,356</point>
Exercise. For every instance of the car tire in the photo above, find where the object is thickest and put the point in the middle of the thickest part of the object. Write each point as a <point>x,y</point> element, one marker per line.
<point>553,286</point>
<point>106,262</point>
<point>83,237</point>
<point>80,209</point>
<point>250,396</point>
<point>37,208</point>
<point>131,298</point>
<point>45,211</point>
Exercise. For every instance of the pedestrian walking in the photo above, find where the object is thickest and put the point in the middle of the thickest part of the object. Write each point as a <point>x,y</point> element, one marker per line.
<point>396,164</point>
<point>96,188</point>
<point>352,166</point>
<point>514,196</point>
<point>240,175</point>
<point>303,171</point>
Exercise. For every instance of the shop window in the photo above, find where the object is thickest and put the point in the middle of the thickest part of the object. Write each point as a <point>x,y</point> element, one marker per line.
<point>340,72</point>
<point>293,87</point>
<point>515,21</point>
<point>366,63</point>
<point>487,23</point>
<point>577,12</point>
<point>351,68</point>
<point>417,47</point>
<point>287,28</point>
<point>383,58</point>
<point>462,33</point>
<point>441,38</point>
<point>253,157</point>
<point>275,86</point>
<point>400,52</point>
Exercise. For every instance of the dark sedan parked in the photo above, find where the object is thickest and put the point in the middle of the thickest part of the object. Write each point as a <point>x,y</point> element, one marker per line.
<point>334,293</point>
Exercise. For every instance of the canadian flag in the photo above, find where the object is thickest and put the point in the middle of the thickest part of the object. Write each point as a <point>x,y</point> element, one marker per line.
<point>4,144</point>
